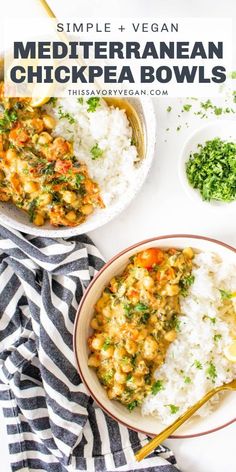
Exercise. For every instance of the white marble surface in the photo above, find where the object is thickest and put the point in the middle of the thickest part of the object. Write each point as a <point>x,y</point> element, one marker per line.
<point>162,206</point>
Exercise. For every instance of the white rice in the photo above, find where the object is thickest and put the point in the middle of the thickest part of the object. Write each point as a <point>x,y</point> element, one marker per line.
<point>195,342</point>
<point>107,127</point>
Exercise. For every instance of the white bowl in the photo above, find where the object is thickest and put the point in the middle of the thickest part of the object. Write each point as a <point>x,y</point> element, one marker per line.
<point>11,216</point>
<point>223,415</point>
<point>224,129</point>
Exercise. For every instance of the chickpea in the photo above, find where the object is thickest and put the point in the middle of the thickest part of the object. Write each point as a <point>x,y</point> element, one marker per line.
<point>172,290</point>
<point>31,187</point>
<point>138,381</point>
<point>94,360</point>
<point>148,282</point>
<point>141,368</point>
<point>68,196</point>
<point>107,312</point>
<point>188,252</point>
<point>35,138</point>
<point>36,124</point>
<point>150,348</point>
<point>87,209</point>
<point>126,366</point>
<point>120,377</point>
<point>115,391</point>
<point>39,219</point>
<point>21,166</point>
<point>107,353</point>
<point>119,353</point>
<point>118,389</point>
<point>11,155</point>
<point>71,216</point>
<point>94,324</point>
<point>130,346</point>
<point>49,121</point>
<point>45,199</point>
<point>59,148</point>
<point>97,342</point>
<point>170,336</point>
<point>4,197</point>
<point>44,138</point>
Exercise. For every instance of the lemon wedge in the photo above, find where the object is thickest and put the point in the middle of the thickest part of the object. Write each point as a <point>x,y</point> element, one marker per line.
<point>230,352</point>
<point>39,101</point>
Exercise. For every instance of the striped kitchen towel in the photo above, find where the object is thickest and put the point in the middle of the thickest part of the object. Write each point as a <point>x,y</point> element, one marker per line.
<point>52,422</point>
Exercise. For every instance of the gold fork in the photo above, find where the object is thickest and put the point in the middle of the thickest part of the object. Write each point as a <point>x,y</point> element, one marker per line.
<point>148,448</point>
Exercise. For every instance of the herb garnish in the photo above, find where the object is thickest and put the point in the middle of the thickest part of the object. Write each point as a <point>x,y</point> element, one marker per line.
<point>32,209</point>
<point>157,387</point>
<point>217,337</point>
<point>132,405</point>
<point>8,118</point>
<point>93,104</point>
<point>212,170</point>
<point>173,408</point>
<point>96,152</point>
<point>66,115</point>
<point>225,295</point>
<point>106,344</point>
<point>211,372</point>
<point>185,283</point>
<point>198,364</point>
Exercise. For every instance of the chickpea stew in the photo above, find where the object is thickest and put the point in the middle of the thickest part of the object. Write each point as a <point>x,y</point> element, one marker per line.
<point>136,319</point>
<point>38,171</point>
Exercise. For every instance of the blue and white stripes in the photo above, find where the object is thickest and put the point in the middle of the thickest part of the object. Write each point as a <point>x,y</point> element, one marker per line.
<point>52,423</point>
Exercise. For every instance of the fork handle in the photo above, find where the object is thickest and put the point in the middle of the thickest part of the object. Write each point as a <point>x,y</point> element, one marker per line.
<point>148,448</point>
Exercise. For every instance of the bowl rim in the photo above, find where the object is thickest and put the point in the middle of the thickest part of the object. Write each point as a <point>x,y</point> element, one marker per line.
<point>94,280</point>
<point>191,192</point>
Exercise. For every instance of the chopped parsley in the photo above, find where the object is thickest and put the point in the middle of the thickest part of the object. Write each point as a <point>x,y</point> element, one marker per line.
<point>78,179</point>
<point>187,380</point>
<point>106,344</point>
<point>225,295</point>
<point>198,364</point>
<point>93,104</point>
<point>187,107</point>
<point>6,121</point>
<point>53,101</point>
<point>132,405</point>
<point>66,115</point>
<point>217,337</point>
<point>144,318</point>
<point>212,170</point>
<point>173,408</point>
<point>157,387</point>
<point>96,152</point>
<point>211,372</point>
<point>32,209</point>
<point>80,100</point>
<point>48,169</point>
<point>169,108</point>
<point>185,283</point>
<point>141,307</point>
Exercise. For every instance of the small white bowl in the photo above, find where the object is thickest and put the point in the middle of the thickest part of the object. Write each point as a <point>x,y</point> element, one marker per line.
<point>224,129</point>
<point>224,413</point>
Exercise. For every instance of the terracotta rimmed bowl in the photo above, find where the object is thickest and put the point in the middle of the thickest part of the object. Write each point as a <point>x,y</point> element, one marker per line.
<point>223,415</point>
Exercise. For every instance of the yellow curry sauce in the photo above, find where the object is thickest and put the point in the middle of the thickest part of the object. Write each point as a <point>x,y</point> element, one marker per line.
<point>135,320</point>
<point>38,171</point>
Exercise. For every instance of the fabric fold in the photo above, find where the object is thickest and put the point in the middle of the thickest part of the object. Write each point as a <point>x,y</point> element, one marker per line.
<point>52,422</point>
